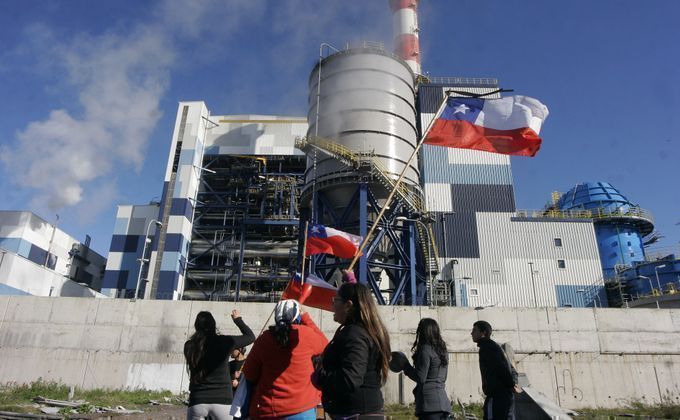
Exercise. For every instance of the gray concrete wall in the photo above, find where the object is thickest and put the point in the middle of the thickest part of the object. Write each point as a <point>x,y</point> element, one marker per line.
<point>578,357</point>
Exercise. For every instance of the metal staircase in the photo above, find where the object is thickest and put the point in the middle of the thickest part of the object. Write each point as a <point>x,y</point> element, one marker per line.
<point>367,162</point>
<point>592,293</point>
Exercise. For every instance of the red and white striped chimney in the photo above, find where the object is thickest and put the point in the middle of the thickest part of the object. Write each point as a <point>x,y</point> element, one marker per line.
<point>405,25</point>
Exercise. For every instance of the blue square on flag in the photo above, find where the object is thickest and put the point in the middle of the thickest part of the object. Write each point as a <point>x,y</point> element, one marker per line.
<point>463,109</point>
<point>327,240</point>
<point>317,231</point>
<point>509,126</point>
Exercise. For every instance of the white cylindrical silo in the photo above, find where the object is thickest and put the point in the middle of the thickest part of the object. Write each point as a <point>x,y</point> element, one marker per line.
<point>367,105</point>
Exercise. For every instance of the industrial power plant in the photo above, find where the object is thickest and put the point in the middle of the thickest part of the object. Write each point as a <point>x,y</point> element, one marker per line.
<point>441,224</point>
<point>385,175</point>
<point>239,190</point>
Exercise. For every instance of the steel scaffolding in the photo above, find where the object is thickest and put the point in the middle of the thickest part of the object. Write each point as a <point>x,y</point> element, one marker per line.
<point>245,229</point>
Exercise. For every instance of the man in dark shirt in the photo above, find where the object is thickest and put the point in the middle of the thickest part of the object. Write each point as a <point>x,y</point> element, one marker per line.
<point>497,381</point>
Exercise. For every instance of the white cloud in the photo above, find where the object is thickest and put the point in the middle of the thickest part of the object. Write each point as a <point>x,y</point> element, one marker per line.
<point>209,20</point>
<point>102,196</point>
<point>113,82</point>
<point>119,78</point>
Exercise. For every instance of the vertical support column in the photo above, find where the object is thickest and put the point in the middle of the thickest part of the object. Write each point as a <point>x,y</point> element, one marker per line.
<point>237,294</point>
<point>363,228</point>
<point>412,262</point>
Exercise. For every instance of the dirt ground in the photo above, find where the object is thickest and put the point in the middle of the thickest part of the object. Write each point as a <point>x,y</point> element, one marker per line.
<point>161,412</point>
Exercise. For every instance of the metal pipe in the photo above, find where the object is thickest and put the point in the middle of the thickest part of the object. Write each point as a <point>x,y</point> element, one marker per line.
<point>656,271</point>
<point>651,289</point>
<point>143,260</point>
<point>49,246</point>
<point>533,283</point>
<point>316,134</point>
<point>453,291</point>
<point>304,252</point>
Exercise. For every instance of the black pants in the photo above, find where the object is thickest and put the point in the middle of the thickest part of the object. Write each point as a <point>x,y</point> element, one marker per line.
<point>498,407</point>
<point>434,415</point>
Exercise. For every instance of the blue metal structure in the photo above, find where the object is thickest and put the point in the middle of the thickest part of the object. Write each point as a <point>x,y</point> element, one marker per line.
<point>652,277</point>
<point>392,249</point>
<point>244,228</point>
<point>620,225</point>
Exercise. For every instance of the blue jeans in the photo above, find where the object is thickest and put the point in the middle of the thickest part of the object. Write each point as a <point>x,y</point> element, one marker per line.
<point>305,415</point>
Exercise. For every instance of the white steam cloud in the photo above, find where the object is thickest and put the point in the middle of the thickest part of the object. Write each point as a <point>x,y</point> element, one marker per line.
<point>120,80</point>
<point>113,82</point>
<point>117,80</point>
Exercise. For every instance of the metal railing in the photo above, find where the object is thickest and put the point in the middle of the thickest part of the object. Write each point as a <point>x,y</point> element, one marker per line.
<point>484,81</point>
<point>658,253</point>
<point>365,44</point>
<point>595,214</point>
<point>406,195</point>
<point>592,293</point>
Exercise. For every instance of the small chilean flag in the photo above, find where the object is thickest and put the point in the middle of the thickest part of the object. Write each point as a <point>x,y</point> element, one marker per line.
<point>509,126</point>
<point>315,292</point>
<point>325,240</point>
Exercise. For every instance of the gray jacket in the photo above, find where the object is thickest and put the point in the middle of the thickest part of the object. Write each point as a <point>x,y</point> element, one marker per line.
<point>430,377</point>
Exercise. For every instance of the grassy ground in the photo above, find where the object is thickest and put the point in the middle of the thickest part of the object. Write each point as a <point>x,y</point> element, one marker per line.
<point>398,411</point>
<point>633,410</point>
<point>19,398</point>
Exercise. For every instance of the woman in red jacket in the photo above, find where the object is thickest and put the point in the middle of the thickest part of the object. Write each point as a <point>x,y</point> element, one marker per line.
<point>280,366</point>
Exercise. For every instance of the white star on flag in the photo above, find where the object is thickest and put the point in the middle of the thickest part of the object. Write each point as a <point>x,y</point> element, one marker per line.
<point>315,229</point>
<point>462,108</point>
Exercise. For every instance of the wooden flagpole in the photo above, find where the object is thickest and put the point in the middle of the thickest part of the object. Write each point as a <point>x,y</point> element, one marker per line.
<point>394,190</point>
<point>304,252</point>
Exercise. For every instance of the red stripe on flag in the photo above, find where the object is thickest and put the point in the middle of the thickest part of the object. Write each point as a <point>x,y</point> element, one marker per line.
<point>465,135</point>
<point>309,295</point>
<point>334,245</point>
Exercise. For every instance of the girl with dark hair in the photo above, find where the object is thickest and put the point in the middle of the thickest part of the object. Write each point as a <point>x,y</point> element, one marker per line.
<point>429,371</point>
<point>280,366</point>
<point>207,353</point>
<point>356,362</point>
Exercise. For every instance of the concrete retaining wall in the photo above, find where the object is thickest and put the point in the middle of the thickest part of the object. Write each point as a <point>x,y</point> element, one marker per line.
<point>578,357</point>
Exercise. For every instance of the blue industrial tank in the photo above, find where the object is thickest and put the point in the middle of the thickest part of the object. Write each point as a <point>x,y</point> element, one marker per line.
<point>620,225</point>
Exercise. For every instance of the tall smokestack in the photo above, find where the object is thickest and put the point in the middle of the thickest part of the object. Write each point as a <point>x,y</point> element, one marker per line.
<point>405,25</point>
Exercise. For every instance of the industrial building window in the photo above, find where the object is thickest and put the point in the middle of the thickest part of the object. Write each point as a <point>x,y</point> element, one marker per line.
<point>474,292</point>
<point>561,264</point>
<point>558,242</point>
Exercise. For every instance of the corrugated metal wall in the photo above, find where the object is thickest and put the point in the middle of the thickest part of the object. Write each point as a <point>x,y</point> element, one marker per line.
<point>509,249</point>
<point>501,260</point>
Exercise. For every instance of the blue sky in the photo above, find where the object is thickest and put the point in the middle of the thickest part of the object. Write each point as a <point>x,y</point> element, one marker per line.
<point>90,89</point>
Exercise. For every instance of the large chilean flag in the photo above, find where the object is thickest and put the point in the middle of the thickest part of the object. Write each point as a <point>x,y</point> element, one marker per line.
<point>326,240</point>
<point>509,126</point>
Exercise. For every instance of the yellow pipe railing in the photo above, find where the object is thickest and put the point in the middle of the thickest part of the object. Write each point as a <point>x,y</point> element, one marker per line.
<point>408,195</point>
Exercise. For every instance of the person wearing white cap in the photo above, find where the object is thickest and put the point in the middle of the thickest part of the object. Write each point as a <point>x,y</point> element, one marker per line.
<point>280,366</point>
